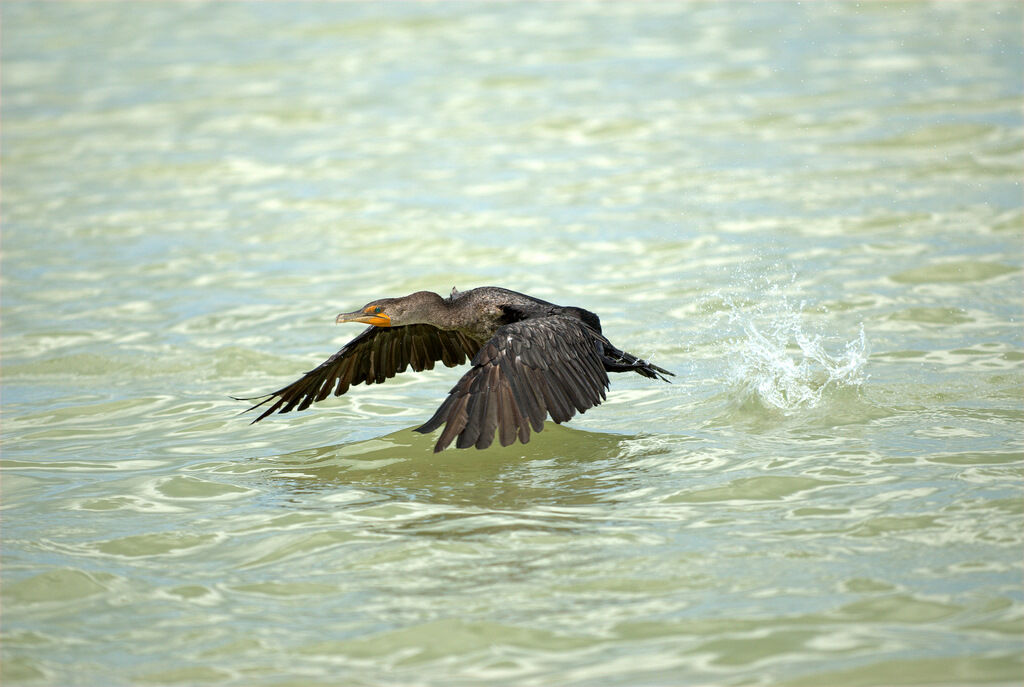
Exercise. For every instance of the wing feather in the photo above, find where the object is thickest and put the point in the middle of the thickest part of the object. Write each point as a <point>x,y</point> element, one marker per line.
<point>372,357</point>
<point>527,371</point>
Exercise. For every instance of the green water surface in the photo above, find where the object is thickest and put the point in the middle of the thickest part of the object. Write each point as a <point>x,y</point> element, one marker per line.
<point>812,213</point>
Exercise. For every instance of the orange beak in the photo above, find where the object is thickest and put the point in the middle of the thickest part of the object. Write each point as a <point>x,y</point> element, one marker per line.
<point>376,319</point>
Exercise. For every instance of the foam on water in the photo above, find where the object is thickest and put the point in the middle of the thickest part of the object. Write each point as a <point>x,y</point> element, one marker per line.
<point>781,360</point>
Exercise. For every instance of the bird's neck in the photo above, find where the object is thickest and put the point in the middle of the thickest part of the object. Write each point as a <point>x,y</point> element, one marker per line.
<point>474,316</point>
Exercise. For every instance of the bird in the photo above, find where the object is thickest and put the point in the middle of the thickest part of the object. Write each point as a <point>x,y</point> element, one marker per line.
<point>530,359</point>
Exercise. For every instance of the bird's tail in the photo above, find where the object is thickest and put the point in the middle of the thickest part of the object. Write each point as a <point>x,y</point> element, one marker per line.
<point>620,361</point>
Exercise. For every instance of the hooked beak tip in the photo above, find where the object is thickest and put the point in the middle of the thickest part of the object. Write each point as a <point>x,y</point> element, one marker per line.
<point>363,318</point>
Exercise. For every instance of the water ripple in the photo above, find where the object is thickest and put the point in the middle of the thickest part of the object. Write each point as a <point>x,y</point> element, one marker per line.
<point>820,237</point>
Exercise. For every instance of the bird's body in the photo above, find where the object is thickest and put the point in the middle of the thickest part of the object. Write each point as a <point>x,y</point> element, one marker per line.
<point>530,358</point>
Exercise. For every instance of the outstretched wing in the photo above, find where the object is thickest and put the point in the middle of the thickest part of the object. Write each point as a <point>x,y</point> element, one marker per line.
<point>377,354</point>
<point>527,371</point>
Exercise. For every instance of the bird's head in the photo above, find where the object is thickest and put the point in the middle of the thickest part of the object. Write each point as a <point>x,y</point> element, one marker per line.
<point>395,312</point>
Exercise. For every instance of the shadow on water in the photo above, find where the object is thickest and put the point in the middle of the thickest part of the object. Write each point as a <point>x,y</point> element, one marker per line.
<point>559,467</point>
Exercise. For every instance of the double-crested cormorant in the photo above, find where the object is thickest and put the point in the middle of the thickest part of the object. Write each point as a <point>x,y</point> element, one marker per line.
<point>530,359</point>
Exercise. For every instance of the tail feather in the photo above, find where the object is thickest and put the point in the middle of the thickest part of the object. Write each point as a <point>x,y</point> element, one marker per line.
<point>620,361</point>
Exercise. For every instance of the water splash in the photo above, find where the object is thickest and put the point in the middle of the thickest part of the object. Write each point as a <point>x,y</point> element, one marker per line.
<point>781,361</point>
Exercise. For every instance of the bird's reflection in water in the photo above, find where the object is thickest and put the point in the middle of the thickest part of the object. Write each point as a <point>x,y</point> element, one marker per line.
<point>559,467</point>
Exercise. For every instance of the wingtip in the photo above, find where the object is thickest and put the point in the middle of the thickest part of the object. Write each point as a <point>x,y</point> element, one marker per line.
<point>265,397</point>
<point>424,429</point>
<point>242,412</point>
<point>250,398</point>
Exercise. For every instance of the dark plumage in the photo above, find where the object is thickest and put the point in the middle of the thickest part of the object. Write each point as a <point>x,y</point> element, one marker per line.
<point>530,359</point>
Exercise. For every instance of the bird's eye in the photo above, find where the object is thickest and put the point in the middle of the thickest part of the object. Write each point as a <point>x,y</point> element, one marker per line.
<point>378,309</point>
